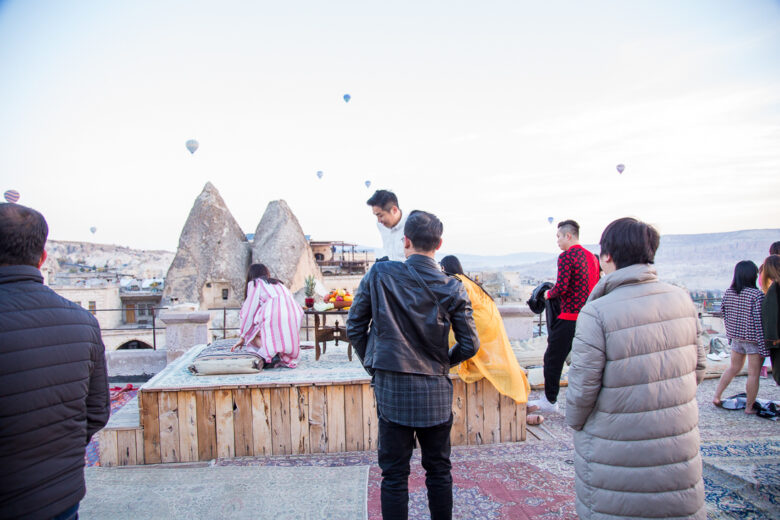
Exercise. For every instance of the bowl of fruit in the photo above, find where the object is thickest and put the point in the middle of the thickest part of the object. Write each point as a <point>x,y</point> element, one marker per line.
<point>340,298</point>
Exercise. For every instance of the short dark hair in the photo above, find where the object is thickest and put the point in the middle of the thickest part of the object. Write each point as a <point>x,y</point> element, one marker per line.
<point>23,233</point>
<point>745,275</point>
<point>384,199</point>
<point>629,241</point>
<point>774,249</point>
<point>570,226</point>
<point>424,230</point>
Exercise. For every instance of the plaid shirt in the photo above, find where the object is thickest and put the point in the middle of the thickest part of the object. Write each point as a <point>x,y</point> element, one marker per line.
<point>413,399</point>
<point>742,316</point>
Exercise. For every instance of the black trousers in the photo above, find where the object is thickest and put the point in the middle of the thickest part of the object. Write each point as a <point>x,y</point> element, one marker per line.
<point>558,347</point>
<point>396,443</point>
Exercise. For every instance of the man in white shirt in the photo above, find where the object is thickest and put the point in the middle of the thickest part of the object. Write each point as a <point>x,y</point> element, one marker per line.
<point>390,222</point>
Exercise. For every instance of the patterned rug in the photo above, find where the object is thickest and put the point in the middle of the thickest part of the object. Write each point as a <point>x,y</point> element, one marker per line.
<point>119,398</point>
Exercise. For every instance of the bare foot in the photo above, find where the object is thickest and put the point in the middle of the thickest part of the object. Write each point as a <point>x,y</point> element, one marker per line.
<point>717,402</point>
<point>534,420</point>
<point>532,408</point>
<point>750,410</point>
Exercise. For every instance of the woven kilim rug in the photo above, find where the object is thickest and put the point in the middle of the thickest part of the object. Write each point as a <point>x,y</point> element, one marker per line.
<point>258,492</point>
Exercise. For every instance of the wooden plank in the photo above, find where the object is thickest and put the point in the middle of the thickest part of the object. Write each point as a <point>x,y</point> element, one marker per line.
<point>108,448</point>
<point>475,414</point>
<point>370,419</point>
<point>261,421</point>
<point>242,422</point>
<point>336,420</point>
<point>149,410</point>
<point>126,451</point>
<point>280,421</point>
<point>299,419</point>
<point>492,418</point>
<point>169,427</point>
<point>139,446</point>
<point>318,419</point>
<point>353,417</point>
<point>207,424</point>
<point>459,435</point>
<point>226,441</point>
<point>188,427</point>
<point>521,413</point>
<point>508,419</point>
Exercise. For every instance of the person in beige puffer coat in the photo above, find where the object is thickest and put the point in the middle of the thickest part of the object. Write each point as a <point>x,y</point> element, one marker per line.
<point>636,362</point>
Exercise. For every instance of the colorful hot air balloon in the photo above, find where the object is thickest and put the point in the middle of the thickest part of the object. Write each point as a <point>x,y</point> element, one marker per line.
<point>192,145</point>
<point>347,97</point>
<point>620,168</point>
<point>93,229</point>
<point>550,220</point>
<point>11,196</point>
<point>368,184</point>
<point>319,174</point>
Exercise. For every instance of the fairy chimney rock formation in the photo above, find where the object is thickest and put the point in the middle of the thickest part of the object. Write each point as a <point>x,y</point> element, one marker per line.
<point>210,265</point>
<point>280,244</point>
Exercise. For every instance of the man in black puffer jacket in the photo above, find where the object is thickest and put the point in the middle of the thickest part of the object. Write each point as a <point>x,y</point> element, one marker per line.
<point>53,384</point>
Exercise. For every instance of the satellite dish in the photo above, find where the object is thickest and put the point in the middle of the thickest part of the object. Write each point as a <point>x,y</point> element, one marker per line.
<point>192,145</point>
<point>11,196</point>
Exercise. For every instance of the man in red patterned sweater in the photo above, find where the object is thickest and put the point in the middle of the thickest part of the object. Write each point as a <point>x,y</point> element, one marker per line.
<point>578,273</point>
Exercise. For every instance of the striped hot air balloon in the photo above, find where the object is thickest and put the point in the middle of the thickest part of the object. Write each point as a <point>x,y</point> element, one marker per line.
<point>11,196</point>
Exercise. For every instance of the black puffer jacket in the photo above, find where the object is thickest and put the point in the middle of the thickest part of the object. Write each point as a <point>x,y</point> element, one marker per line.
<point>53,395</point>
<point>410,326</point>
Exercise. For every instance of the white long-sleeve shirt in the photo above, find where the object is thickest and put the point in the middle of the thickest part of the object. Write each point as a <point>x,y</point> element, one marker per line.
<point>393,240</point>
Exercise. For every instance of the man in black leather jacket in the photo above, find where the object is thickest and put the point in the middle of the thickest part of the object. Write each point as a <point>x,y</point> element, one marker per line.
<point>399,325</point>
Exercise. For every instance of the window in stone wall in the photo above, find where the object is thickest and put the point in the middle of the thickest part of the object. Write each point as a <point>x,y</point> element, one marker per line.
<point>93,307</point>
<point>224,294</point>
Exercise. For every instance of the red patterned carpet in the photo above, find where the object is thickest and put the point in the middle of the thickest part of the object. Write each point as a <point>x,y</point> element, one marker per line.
<point>119,397</point>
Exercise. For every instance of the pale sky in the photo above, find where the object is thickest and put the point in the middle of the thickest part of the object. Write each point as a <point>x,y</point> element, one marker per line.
<point>494,115</point>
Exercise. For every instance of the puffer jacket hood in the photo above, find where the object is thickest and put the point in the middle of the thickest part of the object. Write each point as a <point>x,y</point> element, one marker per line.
<point>636,362</point>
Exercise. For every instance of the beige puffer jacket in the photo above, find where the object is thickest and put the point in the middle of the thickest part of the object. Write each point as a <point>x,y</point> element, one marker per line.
<point>636,362</point>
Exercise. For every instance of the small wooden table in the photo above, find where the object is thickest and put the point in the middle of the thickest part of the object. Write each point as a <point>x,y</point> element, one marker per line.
<point>324,333</point>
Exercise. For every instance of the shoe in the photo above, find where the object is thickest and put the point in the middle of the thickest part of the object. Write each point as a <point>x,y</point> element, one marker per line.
<point>544,405</point>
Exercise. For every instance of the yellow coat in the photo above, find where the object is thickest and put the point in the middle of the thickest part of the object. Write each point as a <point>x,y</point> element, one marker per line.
<point>495,360</point>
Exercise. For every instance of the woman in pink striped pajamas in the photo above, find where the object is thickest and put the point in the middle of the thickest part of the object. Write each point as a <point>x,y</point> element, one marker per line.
<point>270,319</point>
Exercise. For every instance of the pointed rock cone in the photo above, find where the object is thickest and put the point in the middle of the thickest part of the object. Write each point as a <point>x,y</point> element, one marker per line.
<point>280,244</point>
<point>210,266</point>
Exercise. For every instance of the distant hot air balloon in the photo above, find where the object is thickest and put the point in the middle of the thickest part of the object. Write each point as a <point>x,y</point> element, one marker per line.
<point>620,168</point>
<point>347,97</point>
<point>319,174</point>
<point>368,184</point>
<point>192,145</point>
<point>11,196</point>
<point>93,229</point>
<point>550,220</point>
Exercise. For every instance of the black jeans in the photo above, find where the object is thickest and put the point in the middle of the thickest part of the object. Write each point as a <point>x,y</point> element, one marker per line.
<point>558,347</point>
<point>396,443</point>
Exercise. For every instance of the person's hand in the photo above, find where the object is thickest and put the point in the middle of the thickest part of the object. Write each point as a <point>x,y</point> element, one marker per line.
<point>545,295</point>
<point>239,344</point>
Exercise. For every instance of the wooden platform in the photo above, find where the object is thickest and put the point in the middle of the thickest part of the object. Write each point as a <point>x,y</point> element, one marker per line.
<point>324,406</point>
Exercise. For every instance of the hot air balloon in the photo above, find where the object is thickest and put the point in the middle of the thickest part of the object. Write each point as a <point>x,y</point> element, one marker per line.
<point>93,229</point>
<point>192,145</point>
<point>620,168</point>
<point>347,97</point>
<point>11,196</point>
<point>550,220</point>
<point>368,184</point>
<point>319,174</point>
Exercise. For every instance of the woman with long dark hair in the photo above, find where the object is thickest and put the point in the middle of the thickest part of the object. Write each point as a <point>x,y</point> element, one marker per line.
<point>270,319</point>
<point>742,317</point>
<point>495,360</point>
<point>770,311</point>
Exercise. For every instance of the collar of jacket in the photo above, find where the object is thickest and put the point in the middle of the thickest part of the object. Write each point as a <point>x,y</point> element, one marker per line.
<point>423,261</point>
<point>637,273</point>
<point>20,273</point>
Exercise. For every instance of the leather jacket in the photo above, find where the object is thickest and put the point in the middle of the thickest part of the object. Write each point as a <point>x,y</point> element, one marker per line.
<point>402,324</point>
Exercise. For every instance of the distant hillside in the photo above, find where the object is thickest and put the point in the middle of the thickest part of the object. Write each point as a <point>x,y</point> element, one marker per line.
<point>66,256</point>
<point>702,261</point>
<point>490,263</point>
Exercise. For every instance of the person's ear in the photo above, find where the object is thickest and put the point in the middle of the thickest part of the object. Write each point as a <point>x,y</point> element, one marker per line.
<point>407,243</point>
<point>438,246</point>
<point>43,259</point>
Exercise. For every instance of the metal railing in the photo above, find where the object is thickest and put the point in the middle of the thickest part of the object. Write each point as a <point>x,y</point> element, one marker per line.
<point>224,328</point>
<point>154,326</point>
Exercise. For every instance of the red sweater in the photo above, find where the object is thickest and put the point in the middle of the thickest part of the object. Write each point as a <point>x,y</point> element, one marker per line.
<point>578,274</point>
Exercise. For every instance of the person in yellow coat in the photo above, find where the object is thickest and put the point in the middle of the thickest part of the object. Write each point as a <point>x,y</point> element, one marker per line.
<point>495,360</point>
